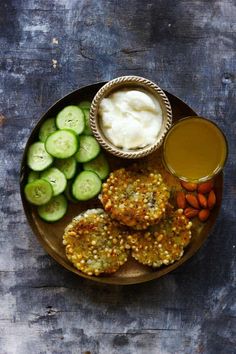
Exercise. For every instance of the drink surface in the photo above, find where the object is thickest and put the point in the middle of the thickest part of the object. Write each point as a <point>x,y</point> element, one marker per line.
<point>195,149</point>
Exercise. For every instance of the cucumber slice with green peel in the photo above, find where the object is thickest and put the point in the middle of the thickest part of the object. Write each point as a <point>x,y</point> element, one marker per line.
<point>67,166</point>
<point>86,185</point>
<point>33,175</point>
<point>62,144</point>
<point>88,149</point>
<point>53,210</point>
<point>38,192</point>
<point>87,129</point>
<point>99,165</point>
<point>68,192</point>
<point>48,127</point>
<point>85,104</point>
<point>71,117</point>
<point>38,159</point>
<point>56,178</point>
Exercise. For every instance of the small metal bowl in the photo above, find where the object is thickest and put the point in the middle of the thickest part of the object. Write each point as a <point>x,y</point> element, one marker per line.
<point>134,82</point>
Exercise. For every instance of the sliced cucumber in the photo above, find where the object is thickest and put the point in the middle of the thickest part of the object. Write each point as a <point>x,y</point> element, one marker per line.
<point>33,175</point>
<point>48,127</point>
<point>38,192</point>
<point>88,150</point>
<point>67,166</point>
<point>54,210</point>
<point>99,165</point>
<point>71,117</point>
<point>85,104</point>
<point>56,178</point>
<point>62,144</point>
<point>68,192</point>
<point>87,129</point>
<point>86,185</point>
<point>38,158</point>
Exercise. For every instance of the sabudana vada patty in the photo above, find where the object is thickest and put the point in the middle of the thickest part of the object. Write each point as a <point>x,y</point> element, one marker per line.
<point>95,243</point>
<point>135,197</point>
<point>166,244</point>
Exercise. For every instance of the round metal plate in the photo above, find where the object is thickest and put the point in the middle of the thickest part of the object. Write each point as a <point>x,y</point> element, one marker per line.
<point>50,235</point>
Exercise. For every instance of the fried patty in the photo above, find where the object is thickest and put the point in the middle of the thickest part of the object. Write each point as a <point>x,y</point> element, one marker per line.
<point>135,197</point>
<point>95,243</point>
<point>165,244</point>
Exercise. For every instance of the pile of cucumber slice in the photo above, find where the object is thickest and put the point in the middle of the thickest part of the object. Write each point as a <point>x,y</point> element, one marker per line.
<point>65,164</point>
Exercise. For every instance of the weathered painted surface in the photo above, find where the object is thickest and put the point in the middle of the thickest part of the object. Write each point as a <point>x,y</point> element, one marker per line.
<point>48,48</point>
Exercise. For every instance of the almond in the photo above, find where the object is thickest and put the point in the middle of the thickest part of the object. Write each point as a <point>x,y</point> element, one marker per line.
<point>202,200</point>
<point>190,212</point>
<point>211,200</point>
<point>189,186</point>
<point>180,199</point>
<point>192,200</point>
<point>204,214</point>
<point>205,187</point>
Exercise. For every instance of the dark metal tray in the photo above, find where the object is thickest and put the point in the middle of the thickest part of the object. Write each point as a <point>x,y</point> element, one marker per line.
<point>50,235</point>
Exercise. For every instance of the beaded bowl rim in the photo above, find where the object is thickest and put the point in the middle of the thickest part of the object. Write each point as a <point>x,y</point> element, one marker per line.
<point>121,83</point>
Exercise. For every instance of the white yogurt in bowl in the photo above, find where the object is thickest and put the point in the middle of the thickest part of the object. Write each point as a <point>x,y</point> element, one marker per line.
<point>130,118</point>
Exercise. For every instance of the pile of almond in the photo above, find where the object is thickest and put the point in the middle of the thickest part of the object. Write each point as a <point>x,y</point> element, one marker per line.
<point>198,200</point>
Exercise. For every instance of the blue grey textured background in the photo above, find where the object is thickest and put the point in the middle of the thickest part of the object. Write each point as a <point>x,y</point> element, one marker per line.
<point>48,48</point>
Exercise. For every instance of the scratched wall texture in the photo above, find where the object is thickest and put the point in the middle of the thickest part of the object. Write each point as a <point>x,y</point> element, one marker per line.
<point>48,48</point>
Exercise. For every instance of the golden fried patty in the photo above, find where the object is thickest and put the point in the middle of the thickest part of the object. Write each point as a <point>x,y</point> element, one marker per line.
<point>135,197</point>
<point>95,243</point>
<point>165,244</point>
